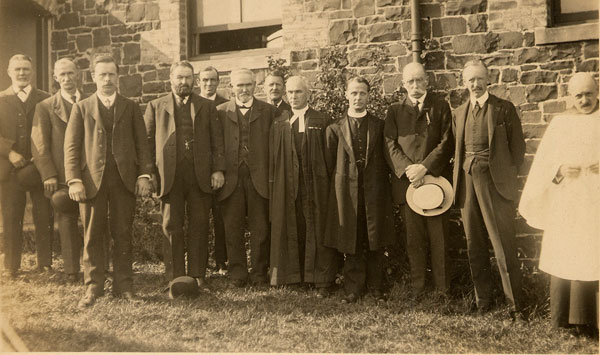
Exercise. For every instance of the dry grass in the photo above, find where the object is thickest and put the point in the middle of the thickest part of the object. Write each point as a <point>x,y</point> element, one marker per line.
<point>42,309</point>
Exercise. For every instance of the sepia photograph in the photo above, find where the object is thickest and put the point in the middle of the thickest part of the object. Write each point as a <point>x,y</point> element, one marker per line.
<point>300,176</point>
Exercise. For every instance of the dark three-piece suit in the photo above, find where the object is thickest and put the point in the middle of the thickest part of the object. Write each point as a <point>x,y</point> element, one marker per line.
<point>186,141</point>
<point>15,134</point>
<point>424,137</point>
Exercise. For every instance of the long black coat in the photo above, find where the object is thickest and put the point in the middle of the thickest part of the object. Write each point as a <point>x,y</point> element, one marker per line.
<point>343,196</point>
<point>425,139</point>
<point>284,168</point>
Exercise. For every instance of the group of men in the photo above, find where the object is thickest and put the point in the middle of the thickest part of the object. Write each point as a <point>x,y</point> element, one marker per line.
<point>310,189</point>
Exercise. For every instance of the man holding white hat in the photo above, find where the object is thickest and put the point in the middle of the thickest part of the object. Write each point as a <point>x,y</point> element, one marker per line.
<point>418,137</point>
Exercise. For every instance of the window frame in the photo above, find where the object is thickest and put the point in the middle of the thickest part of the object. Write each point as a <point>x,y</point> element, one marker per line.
<point>194,32</point>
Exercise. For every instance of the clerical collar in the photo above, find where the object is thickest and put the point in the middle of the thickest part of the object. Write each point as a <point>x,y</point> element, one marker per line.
<point>213,97</point>
<point>247,104</point>
<point>26,89</point>
<point>104,99</point>
<point>355,114</point>
<point>481,100</point>
<point>300,111</point>
<point>68,97</point>
<point>420,100</point>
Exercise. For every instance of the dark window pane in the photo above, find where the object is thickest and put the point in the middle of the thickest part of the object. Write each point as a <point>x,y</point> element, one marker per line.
<point>226,41</point>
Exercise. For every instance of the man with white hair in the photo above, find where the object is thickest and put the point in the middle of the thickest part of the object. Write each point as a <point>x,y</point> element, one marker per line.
<point>47,143</point>
<point>562,198</point>
<point>17,106</point>
<point>246,124</point>
<point>418,137</point>
<point>299,192</point>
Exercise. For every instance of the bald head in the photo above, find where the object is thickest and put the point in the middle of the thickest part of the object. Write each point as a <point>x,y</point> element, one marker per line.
<point>584,91</point>
<point>415,80</point>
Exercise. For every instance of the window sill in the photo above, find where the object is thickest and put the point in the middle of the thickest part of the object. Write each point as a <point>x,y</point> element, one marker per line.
<point>572,33</point>
<point>228,61</point>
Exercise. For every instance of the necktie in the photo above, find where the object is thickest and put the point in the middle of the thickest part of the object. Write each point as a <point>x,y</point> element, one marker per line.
<point>22,95</point>
<point>244,109</point>
<point>417,110</point>
<point>476,109</point>
<point>107,103</point>
<point>73,99</point>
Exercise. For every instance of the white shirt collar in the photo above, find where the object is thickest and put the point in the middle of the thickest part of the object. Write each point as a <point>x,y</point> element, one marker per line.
<point>482,99</point>
<point>211,98</point>
<point>355,114</point>
<point>420,100</point>
<point>67,96</point>
<point>247,104</point>
<point>26,89</point>
<point>110,99</point>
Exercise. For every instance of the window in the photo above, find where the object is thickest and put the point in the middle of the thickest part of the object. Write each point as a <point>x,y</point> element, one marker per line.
<point>219,26</point>
<point>569,12</point>
<point>569,21</point>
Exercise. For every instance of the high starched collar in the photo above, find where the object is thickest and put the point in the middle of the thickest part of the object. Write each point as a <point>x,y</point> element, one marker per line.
<point>481,100</point>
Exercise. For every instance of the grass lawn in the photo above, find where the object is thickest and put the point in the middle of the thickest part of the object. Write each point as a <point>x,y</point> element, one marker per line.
<point>43,310</point>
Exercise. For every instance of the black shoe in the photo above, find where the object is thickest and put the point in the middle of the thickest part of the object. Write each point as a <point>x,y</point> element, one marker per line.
<point>131,297</point>
<point>238,283</point>
<point>323,292</point>
<point>350,298</point>
<point>44,269</point>
<point>87,301</point>
<point>379,296</point>
<point>73,279</point>
<point>202,284</point>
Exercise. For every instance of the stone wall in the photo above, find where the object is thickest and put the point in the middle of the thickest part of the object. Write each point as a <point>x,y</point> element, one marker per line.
<point>145,36</point>
<point>501,32</point>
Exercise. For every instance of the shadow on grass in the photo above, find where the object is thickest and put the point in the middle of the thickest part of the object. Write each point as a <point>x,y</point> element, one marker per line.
<point>71,339</point>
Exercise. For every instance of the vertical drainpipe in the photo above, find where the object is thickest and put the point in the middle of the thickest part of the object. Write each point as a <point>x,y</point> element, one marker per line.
<point>415,33</point>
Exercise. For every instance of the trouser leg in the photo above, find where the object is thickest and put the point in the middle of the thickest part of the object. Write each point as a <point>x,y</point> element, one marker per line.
<point>70,241</point>
<point>258,224</point>
<point>498,215</point>
<point>122,210</point>
<point>172,208</point>
<point>12,202</point>
<point>560,291</point>
<point>437,228</point>
<point>198,206</point>
<point>477,245</point>
<point>94,216</point>
<point>44,226</point>
<point>220,253</point>
<point>234,213</point>
<point>416,248</point>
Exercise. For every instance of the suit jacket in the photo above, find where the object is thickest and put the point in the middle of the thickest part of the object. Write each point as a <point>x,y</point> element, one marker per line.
<point>207,146</point>
<point>261,119</point>
<point>343,196</point>
<point>284,106</point>
<point>10,108</point>
<point>507,145</point>
<point>425,139</point>
<point>284,175</point>
<point>48,137</point>
<point>85,144</point>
